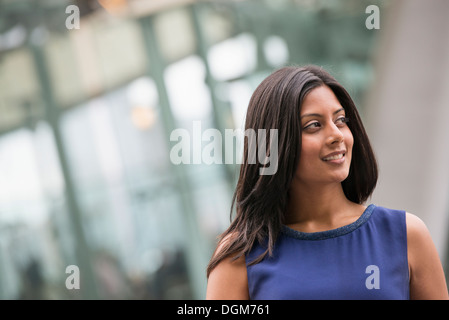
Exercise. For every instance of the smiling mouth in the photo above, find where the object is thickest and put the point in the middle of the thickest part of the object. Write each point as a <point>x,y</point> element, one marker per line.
<point>336,157</point>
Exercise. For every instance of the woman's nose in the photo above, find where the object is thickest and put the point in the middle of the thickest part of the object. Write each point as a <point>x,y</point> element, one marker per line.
<point>335,135</point>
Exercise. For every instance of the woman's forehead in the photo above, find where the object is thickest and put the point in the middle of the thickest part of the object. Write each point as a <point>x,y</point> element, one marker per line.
<point>321,99</point>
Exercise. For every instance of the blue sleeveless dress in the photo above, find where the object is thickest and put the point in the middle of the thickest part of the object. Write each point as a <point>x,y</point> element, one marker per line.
<point>366,259</point>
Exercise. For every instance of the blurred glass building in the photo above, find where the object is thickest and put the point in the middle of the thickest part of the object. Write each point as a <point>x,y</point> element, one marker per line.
<point>90,94</point>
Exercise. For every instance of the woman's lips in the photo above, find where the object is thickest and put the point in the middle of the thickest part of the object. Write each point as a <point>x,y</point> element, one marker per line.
<point>336,158</point>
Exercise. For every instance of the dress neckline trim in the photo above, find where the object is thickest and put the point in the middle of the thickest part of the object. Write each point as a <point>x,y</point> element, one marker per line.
<point>321,235</point>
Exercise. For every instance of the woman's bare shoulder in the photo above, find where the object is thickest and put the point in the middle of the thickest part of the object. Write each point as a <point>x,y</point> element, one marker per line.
<point>228,280</point>
<point>415,226</point>
<point>427,280</point>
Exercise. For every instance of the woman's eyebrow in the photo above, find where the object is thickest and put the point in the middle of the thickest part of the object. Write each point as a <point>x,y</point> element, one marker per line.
<point>320,115</point>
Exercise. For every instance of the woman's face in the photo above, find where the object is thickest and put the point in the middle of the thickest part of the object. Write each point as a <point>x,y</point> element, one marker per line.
<point>326,139</point>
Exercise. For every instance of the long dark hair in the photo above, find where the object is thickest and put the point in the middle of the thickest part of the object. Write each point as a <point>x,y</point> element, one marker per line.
<point>261,200</point>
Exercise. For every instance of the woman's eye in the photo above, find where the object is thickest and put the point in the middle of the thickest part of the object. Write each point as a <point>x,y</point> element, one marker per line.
<point>342,120</point>
<point>312,125</point>
<point>315,125</point>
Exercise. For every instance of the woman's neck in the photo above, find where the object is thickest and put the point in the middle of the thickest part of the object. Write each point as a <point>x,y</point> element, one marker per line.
<point>320,207</point>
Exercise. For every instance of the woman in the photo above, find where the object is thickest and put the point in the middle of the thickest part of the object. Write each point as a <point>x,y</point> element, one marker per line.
<point>305,231</point>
